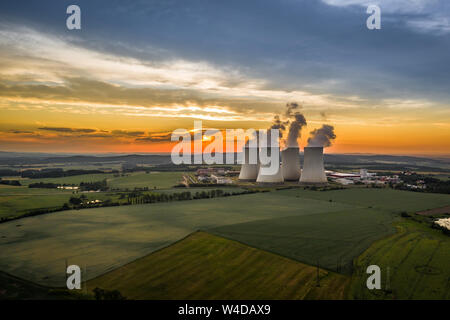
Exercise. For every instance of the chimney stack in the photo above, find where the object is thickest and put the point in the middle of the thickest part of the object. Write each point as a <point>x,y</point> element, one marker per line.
<point>290,164</point>
<point>272,178</point>
<point>249,171</point>
<point>313,170</point>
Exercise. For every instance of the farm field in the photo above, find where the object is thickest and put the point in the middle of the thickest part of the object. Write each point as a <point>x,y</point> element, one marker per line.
<point>106,238</point>
<point>70,179</point>
<point>415,264</point>
<point>152,180</point>
<point>13,288</point>
<point>15,201</point>
<point>385,199</point>
<point>203,266</point>
<point>299,224</point>
<point>330,240</point>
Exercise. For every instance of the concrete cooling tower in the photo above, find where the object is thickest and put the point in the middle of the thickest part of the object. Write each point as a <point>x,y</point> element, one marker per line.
<point>249,172</point>
<point>290,164</point>
<point>272,178</point>
<point>313,171</point>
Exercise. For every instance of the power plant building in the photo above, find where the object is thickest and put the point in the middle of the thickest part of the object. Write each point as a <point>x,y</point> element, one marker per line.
<point>249,171</point>
<point>313,170</point>
<point>290,164</point>
<point>269,178</point>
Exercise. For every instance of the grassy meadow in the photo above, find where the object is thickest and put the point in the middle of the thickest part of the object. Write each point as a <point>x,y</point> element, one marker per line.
<point>331,240</point>
<point>383,199</point>
<point>18,200</point>
<point>326,228</point>
<point>414,262</point>
<point>15,201</point>
<point>152,180</point>
<point>105,238</point>
<point>203,266</point>
<point>70,179</point>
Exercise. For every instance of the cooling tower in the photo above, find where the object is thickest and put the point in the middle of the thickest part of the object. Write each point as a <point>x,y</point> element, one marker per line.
<point>290,164</point>
<point>313,170</point>
<point>249,172</point>
<point>272,178</point>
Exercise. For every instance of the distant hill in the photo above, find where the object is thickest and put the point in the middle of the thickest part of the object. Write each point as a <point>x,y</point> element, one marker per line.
<point>380,162</point>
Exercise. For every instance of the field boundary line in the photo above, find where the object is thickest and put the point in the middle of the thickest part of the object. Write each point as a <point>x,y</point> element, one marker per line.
<point>275,253</point>
<point>146,255</point>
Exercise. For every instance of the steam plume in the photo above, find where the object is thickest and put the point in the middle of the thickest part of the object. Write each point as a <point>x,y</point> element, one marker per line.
<point>322,137</point>
<point>290,107</point>
<point>278,124</point>
<point>254,137</point>
<point>296,125</point>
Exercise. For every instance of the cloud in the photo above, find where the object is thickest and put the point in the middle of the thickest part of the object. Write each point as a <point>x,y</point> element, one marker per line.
<point>60,75</point>
<point>68,130</point>
<point>155,137</point>
<point>127,133</point>
<point>440,25</point>
<point>426,16</point>
<point>391,6</point>
<point>61,55</point>
<point>20,131</point>
<point>72,74</point>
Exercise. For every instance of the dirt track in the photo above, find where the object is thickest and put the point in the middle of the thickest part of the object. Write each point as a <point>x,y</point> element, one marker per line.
<point>431,212</point>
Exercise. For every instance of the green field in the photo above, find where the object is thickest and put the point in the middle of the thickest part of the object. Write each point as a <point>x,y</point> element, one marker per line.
<point>331,240</point>
<point>105,238</point>
<point>299,224</point>
<point>70,179</point>
<point>140,179</point>
<point>204,266</point>
<point>384,199</point>
<point>13,288</point>
<point>152,180</point>
<point>15,201</point>
<point>415,264</point>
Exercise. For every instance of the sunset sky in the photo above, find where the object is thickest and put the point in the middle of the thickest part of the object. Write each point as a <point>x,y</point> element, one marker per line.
<point>137,71</point>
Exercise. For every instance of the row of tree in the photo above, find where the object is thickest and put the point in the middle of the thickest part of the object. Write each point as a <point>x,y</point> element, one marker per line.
<point>15,183</point>
<point>139,198</point>
<point>432,185</point>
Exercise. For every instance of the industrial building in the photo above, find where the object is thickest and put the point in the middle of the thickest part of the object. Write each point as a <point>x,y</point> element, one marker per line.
<point>313,170</point>
<point>249,171</point>
<point>269,178</point>
<point>290,164</point>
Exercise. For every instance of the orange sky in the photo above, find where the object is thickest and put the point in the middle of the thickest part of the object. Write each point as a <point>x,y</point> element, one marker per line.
<point>104,103</point>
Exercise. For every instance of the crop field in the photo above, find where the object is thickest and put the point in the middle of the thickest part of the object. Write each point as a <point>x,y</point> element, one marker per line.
<point>152,180</point>
<point>204,266</point>
<point>298,224</point>
<point>70,179</point>
<point>415,264</point>
<point>106,238</point>
<point>330,240</point>
<point>194,190</point>
<point>384,199</point>
<point>17,200</point>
